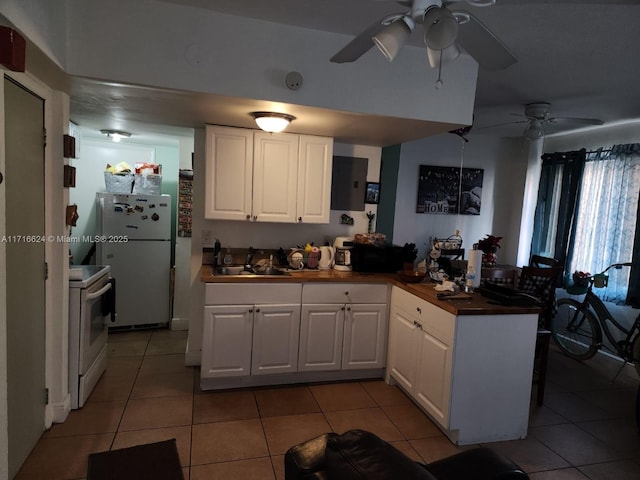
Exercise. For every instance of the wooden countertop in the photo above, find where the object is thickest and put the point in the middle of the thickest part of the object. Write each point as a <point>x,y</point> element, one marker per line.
<point>475,305</point>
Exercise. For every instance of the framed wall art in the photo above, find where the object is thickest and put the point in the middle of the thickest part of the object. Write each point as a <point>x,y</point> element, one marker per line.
<point>449,190</point>
<point>372,193</point>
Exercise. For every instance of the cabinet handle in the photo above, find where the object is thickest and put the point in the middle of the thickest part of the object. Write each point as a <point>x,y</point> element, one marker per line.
<point>255,218</point>
<point>257,310</point>
<point>299,219</point>
<point>251,310</point>
<point>346,293</point>
<point>348,309</point>
<point>342,308</point>
<point>248,217</point>
<point>415,324</point>
<point>418,310</point>
<point>419,326</point>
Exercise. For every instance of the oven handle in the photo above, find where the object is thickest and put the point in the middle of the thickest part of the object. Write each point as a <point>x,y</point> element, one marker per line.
<point>99,293</point>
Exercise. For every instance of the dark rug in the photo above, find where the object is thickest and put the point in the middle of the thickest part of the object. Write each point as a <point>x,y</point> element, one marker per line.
<point>153,461</point>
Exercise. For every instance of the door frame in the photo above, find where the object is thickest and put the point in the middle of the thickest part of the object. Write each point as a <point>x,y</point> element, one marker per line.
<point>56,121</point>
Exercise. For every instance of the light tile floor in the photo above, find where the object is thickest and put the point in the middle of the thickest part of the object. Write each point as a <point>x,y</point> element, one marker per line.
<point>585,430</point>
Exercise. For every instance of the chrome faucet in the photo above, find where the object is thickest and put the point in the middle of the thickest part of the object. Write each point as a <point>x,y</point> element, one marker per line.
<point>248,263</point>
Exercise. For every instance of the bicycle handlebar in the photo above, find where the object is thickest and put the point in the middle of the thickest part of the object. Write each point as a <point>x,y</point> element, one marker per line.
<point>616,266</point>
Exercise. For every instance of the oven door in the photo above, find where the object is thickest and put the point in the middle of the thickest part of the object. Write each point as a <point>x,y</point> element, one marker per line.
<point>93,322</point>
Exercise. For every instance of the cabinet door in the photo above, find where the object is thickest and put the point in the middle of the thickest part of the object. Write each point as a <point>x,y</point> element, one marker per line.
<point>275,177</point>
<point>276,330</point>
<point>314,179</point>
<point>226,342</point>
<point>321,332</point>
<point>403,344</point>
<point>433,376</point>
<point>228,173</point>
<point>365,336</point>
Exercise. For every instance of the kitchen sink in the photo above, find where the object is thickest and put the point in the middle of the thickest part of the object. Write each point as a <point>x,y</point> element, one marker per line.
<point>269,271</point>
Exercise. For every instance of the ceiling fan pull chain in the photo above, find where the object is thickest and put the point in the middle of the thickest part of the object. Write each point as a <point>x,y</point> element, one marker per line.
<point>439,80</point>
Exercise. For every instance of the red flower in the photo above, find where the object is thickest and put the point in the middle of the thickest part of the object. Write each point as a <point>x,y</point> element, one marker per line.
<point>489,244</point>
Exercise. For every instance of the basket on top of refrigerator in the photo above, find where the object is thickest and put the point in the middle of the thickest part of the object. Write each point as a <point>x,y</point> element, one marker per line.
<point>148,179</point>
<point>119,178</point>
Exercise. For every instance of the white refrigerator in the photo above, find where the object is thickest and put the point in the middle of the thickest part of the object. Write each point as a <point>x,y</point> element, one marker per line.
<point>134,238</point>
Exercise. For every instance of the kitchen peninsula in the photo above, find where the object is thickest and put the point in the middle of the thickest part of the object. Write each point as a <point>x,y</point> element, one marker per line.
<point>466,362</point>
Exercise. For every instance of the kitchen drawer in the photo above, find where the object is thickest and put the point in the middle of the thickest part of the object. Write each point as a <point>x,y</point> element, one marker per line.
<point>256,293</point>
<point>434,320</point>
<point>345,293</point>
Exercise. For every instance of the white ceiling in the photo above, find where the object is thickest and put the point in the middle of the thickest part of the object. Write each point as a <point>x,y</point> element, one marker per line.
<point>579,55</point>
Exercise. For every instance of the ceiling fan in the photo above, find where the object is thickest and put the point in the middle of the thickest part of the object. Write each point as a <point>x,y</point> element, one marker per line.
<point>445,30</point>
<point>538,121</point>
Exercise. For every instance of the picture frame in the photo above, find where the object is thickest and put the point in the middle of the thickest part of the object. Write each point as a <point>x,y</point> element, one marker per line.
<point>449,190</point>
<point>372,193</point>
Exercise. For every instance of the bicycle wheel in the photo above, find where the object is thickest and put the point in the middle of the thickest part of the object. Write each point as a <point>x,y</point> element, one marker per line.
<point>635,352</point>
<point>575,330</point>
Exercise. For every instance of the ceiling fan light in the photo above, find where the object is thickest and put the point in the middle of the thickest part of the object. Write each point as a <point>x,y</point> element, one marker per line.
<point>448,54</point>
<point>393,37</point>
<point>440,28</point>
<point>533,131</point>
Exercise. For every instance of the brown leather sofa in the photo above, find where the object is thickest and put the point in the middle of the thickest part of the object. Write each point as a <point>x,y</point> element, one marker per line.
<point>361,455</point>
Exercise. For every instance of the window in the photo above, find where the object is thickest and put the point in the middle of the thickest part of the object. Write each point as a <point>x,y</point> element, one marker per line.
<point>587,212</point>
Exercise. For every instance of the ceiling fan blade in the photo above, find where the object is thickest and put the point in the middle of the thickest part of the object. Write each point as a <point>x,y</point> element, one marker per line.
<point>360,45</point>
<point>496,125</point>
<point>568,121</point>
<point>479,42</point>
<point>575,2</point>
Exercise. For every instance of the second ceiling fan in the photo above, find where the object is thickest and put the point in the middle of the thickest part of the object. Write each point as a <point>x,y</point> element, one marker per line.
<point>444,31</point>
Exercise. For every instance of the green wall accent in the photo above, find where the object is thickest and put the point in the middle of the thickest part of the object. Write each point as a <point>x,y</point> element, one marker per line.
<point>390,163</point>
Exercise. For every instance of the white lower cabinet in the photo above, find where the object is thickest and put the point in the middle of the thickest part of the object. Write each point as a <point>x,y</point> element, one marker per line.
<point>421,352</point>
<point>321,333</point>
<point>343,327</point>
<point>226,341</point>
<point>241,339</point>
<point>276,329</point>
<point>470,373</point>
<point>271,333</point>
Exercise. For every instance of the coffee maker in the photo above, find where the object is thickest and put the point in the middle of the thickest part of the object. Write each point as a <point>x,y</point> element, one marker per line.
<point>342,257</point>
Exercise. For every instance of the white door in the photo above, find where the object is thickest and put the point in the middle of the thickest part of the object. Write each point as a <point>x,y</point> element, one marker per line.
<point>403,350</point>
<point>228,173</point>
<point>314,179</point>
<point>275,177</point>
<point>25,295</point>
<point>433,376</point>
<point>321,333</point>
<point>226,342</point>
<point>365,339</point>
<point>276,329</point>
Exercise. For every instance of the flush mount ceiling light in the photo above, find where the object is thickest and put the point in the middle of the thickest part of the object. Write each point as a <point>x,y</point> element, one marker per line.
<point>115,135</point>
<point>271,121</point>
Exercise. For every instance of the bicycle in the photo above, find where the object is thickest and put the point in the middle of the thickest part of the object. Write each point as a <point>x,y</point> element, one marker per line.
<point>577,326</point>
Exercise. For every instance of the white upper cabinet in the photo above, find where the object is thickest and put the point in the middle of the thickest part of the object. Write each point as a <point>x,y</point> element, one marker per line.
<point>275,177</point>
<point>263,177</point>
<point>315,161</point>
<point>228,173</point>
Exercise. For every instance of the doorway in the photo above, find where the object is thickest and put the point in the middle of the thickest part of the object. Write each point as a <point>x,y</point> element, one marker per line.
<point>26,271</point>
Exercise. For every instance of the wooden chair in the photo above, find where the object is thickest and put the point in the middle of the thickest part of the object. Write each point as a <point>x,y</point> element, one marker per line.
<point>541,283</point>
<point>542,262</point>
<point>500,276</point>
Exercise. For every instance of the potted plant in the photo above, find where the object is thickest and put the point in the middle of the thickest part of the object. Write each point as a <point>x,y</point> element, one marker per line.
<point>489,245</point>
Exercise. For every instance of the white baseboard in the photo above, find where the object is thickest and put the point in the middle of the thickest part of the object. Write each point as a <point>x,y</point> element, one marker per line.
<point>58,412</point>
<point>179,324</point>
